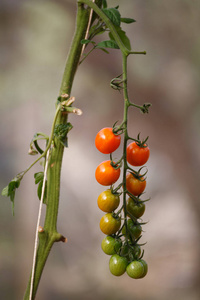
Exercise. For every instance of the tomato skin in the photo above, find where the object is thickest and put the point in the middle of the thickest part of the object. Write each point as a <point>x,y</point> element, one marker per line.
<point>107,201</point>
<point>106,141</point>
<point>117,265</point>
<point>136,155</point>
<point>134,230</point>
<point>135,269</point>
<point>145,265</point>
<point>134,185</point>
<point>110,245</point>
<point>136,210</point>
<point>109,225</point>
<point>105,174</point>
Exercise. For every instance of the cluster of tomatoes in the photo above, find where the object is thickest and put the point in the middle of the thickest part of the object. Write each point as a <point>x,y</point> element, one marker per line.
<point>121,241</point>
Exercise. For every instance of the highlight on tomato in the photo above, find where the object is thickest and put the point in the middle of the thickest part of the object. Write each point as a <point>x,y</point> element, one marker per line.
<point>106,174</point>
<point>134,185</point>
<point>110,224</point>
<point>107,201</point>
<point>137,155</point>
<point>106,141</point>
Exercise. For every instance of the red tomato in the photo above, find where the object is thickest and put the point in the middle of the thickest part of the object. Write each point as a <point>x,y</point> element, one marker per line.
<point>105,174</point>
<point>134,185</point>
<point>106,141</point>
<point>136,155</point>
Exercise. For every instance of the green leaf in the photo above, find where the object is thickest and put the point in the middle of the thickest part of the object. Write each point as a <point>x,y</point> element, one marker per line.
<point>122,34</point>
<point>38,177</point>
<point>127,20</point>
<point>113,14</point>
<point>87,42</point>
<point>39,191</point>
<point>104,50</point>
<point>108,44</point>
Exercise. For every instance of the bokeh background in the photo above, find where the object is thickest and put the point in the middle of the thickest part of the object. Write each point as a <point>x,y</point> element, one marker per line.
<point>35,38</point>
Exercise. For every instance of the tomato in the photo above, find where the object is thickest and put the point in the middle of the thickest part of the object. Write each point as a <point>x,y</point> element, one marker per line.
<point>135,209</point>
<point>106,141</point>
<point>107,201</point>
<point>134,230</point>
<point>105,174</point>
<point>111,245</point>
<point>134,185</point>
<point>145,267</point>
<point>136,155</point>
<point>109,225</point>
<point>135,269</point>
<point>117,265</point>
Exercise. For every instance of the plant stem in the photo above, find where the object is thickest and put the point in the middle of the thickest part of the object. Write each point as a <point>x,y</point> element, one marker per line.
<point>50,234</point>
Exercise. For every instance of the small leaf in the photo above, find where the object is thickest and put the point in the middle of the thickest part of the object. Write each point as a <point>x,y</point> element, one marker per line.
<point>113,14</point>
<point>84,42</point>
<point>108,44</point>
<point>38,177</point>
<point>127,20</point>
<point>123,37</point>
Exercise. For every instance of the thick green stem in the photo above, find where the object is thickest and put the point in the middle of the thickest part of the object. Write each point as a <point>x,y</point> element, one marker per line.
<point>50,234</point>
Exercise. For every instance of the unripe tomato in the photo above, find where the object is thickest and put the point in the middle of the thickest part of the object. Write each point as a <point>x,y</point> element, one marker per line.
<point>136,155</point>
<point>117,265</point>
<point>109,225</point>
<point>106,141</point>
<point>134,230</point>
<point>135,269</point>
<point>145,267</point>
<point>105,174</point>
<point>134,185</point>
<point>107,201</point>
<point>135,210</point>
<point>110,245</point>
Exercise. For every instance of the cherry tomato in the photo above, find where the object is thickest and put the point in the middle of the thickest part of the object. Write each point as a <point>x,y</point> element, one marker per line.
<point>111,245</point>
<point>134,185</point>
<point>135,210</point>
<point>105,174</point>
<point>136,155</point>
<point>106,141</point>
<point>107,201</point>
<point>109,225</point>
<point>145,267</point>
<point>135,269</point>
<point>117,265</point>
<point>134,230</point>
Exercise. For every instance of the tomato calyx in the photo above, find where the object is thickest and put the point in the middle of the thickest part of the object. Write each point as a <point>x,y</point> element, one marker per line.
<point>139,142</point>
<point>138,175</point>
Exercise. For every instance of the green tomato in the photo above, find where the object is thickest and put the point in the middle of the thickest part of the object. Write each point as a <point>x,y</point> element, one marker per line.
<point>110,245</point>
<point>135,210</point>
<point>135,269</point>
<point>117,265</point>
<point>145,265</point>
<point>134,230</point>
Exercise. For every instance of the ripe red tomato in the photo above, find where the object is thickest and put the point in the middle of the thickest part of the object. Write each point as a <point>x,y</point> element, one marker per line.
<point>134,185</point>
<point>117,265</point>
<point>105,174</point>
<point>136,155</point>
<point>135,209</point>
<point>107,201</point>
<point>135,269</point>
<point>111,245</point>
<point>109,225</point>
<point>106,141</point>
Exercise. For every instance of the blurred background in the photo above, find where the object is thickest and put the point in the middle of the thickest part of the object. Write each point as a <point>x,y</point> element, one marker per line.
<point>35,38</point>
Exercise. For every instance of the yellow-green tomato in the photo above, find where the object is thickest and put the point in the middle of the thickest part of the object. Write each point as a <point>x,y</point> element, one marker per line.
<point>117,264</point>
<point>135,269</point>
<point>111,245</point>
<point>107,201</point>
<point>109,225</point>
<point>135,210</point>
